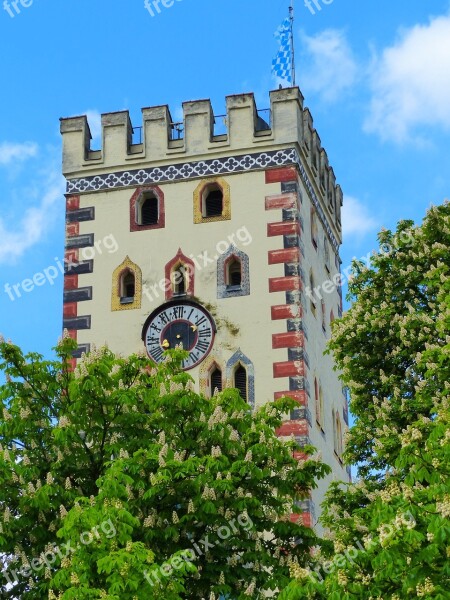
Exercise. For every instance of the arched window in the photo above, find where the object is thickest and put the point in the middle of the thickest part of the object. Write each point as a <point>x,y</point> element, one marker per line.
<point>234,272</point>
<point>314,229</point>
<point>212,201</point>
<point>211,375</point>
<point>127,287</point>
<point>179,280</point>
<point>149,212</point>
<point>331,317</point>
<point>147,209</point>
<point>241,375</point>
<point>180,276</point>
<point>324,325</point>
<point>240,381</point>
<point>215,380</point>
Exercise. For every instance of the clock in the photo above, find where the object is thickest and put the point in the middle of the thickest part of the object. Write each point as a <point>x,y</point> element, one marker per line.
<point>179,322</point>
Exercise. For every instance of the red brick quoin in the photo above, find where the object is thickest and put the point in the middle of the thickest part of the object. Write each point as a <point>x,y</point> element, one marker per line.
<point>72,203</point>
<point>281,175</point>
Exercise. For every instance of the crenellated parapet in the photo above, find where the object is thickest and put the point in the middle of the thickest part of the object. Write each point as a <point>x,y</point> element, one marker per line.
<point>76,137</point>
<point>161,139</point>
<point>201,137</point>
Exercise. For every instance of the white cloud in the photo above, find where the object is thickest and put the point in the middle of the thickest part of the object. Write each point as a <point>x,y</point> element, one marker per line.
<point>411,82</point>
<point>356,218</point>
<point>27,231</point>
<point>16,152</point>
<point>332,68</point>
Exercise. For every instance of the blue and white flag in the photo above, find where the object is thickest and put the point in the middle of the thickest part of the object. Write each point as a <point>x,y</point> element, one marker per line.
<point>282,63</point>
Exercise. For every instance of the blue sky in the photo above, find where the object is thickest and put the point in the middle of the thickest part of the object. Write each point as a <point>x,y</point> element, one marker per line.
<point>376,77</point>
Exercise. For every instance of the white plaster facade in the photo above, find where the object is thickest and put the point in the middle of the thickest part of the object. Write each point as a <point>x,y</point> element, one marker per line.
<point>271,199</point>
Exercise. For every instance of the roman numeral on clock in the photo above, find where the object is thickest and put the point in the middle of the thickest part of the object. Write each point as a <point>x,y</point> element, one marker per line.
<point>193,357</point>
<point>178,312</point>
<point>205,332</point>
<point>157,354</point>
<point>202,346</point>
<point>165,318</point>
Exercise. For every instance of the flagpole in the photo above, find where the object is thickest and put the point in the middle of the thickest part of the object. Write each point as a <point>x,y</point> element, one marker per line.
<point>291,16</point>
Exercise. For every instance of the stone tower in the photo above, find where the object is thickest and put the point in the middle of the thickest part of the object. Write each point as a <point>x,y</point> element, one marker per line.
<point>213,233</point>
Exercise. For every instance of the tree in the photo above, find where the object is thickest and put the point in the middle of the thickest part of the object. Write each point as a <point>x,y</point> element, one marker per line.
<point>120,482</point>
<point>391,530</point>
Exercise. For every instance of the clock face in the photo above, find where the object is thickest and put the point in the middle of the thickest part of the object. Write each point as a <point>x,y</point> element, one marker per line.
<point>177,323</point>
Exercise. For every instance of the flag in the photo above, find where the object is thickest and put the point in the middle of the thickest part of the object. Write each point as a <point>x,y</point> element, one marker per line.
<point>282,63</point>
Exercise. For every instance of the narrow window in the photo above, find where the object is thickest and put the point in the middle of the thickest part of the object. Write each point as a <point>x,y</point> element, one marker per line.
<point>339,435</point>
<point>337,430</point>
<point>179,281</point>
<point>335,437</point>
<point>326,251</point>
<point>149,211</point>
<point>234,273</point>
<point>212,201</point>
<point>321,406</point>
<point>240,381</point>
<point>216,380</point>
<point>127,288</point>
<point>314,231</point>
<point>318,398</point>
<point>324,325</point>
<point>312,297</point>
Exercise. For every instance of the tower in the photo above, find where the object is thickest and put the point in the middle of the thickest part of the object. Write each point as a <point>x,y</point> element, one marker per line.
<point>226,241</point>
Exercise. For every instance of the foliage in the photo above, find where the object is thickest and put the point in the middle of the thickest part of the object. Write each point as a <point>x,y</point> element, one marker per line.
<point>391,530</point>
<point>131,485</point>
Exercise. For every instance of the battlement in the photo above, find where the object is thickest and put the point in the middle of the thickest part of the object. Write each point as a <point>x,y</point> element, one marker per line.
<point>201,135</point>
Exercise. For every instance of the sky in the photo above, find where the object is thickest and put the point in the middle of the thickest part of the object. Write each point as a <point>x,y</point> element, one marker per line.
<point>375,75</point>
